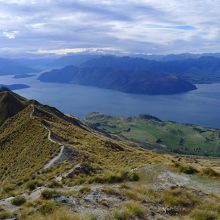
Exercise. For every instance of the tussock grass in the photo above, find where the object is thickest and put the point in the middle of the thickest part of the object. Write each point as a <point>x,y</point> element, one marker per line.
<point>6,215</point>
<point>187,169</point>
<point>208,209</point>
<point>33,184</point>
<point>49,194</point>
<point>209,172</point>
<point>47,207</point>
<point>180,197</point>
<point>139,193</point>
<point>18,200</point>
<point>58,214</point>
<point>130,210</point>
<point>199,214</point>
<point>115,177</point>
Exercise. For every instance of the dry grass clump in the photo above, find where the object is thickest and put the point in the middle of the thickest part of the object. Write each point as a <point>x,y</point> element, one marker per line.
<point>5,214</point>
<point>139,193</point>
<point>207,209</point>
<point>208,171</point>
<point>114,177</point>
<point>130,210</point>
<point>58,214</point>
<point>18,200</point>
<point>179,196</point>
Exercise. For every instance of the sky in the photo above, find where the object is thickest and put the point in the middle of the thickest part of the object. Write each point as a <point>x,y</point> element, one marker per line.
<point>109,26</point>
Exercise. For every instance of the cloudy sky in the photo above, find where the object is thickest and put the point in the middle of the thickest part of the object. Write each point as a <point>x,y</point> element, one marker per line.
<point>125,26</point>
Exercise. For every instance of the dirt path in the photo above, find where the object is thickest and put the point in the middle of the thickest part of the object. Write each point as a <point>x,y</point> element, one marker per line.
<point>55,159</point>
<point>64,153</point>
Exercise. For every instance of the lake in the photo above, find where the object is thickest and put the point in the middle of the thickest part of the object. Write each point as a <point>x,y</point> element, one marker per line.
<point>201,106</point>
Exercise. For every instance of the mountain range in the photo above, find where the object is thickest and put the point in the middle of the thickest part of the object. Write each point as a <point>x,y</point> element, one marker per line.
<point>169,74</point>
<point>132,75</point>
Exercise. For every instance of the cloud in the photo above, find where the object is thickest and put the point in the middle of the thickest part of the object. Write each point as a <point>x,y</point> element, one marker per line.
<point>77,50</point>
<point>135,26</point>
<point>10,34</point>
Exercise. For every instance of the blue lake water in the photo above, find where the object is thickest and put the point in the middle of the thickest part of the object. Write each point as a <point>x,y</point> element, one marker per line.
<point>201,106</point>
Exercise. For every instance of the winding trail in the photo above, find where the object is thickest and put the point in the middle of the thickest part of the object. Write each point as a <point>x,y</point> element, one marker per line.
<point>55,159</point>
<point>63,150</point>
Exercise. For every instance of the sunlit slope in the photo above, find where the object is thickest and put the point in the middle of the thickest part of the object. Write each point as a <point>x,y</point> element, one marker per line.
<point>37,133</point>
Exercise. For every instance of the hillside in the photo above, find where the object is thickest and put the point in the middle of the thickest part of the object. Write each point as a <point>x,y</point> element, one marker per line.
<point>53,166</point>
<point>32,119</point>
<point>150,132</point>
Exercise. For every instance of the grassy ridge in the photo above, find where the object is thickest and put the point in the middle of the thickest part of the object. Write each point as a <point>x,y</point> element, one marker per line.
<point>24,146</point>
<point>151,132</point>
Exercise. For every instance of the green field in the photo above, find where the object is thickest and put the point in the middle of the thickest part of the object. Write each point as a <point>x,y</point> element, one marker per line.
<point>150,132</point>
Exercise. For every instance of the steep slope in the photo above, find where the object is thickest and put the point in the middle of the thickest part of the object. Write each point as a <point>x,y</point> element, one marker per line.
<point>10,104</point>
<point>33,134</point>
<point>24,147</point>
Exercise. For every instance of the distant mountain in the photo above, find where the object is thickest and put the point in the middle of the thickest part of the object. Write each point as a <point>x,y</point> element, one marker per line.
<point>75,60</point>
<point>201,70</point>
<point>10,67</point>
<point>131,75</point>
<point>174,57</point>
<point>47,63</point>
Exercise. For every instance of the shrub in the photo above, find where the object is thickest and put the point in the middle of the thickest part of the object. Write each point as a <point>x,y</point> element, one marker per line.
<point>18,200</point>
<point>47,208</point>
